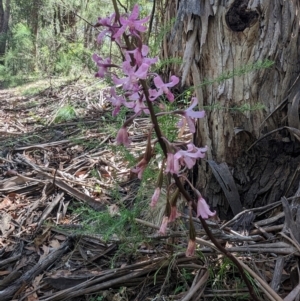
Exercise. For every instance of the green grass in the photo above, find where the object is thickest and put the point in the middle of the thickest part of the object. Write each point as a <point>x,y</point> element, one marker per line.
<point>65,113</point>
<point>224,276</point>
<point>31,91</point>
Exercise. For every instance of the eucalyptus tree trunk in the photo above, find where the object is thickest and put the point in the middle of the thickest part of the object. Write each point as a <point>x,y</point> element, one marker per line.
<point>215,38</point>
<point>34,23</point>
<point>4,20</point>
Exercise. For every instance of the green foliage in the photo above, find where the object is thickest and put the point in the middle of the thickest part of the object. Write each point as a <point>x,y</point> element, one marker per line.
<point>65,113</point>
<point>167,62</point>
<point>225,76</point>
<point>156,39</point>
<point>239,72</point>
<point>121,226</point>
<point>225,275</point>
<point>18,60</point>
<point>114,123</point>
<point>57,56</point>
<point>125,153</point>
<point>31,91</point>
<point>168,122</point>
<point>96,298</point>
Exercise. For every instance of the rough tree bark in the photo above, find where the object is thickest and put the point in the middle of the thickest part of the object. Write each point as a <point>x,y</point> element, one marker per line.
<point>34,23</point>
<point>215,37</point>
<point>4,20</point>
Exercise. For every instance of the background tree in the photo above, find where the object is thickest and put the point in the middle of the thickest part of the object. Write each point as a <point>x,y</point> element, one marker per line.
<point>4,20</point>
<point>215,38</point>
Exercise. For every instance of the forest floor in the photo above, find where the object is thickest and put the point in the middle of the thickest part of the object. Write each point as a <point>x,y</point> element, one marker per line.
<point>75,222</point>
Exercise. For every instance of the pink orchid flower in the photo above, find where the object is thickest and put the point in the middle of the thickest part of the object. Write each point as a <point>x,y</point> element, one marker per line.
<point>189,115</point>
<point>122,137</point>
<point>133,74</point>
<point>137,70</point>
<point>127,83</point>
<point>140,54</point>
<point>172,164</point>
<point>191,248</point>
<point>189,157</point>
<point>112,28</point>
<point>203,209</point>
<point>139,105</point>
<point>117,101</point>
<point>163,227</point>
<point>108,21</point>
<point>132,23</point>
<point>163,88</point>
<point>102,65</point>
<point>155,197</point>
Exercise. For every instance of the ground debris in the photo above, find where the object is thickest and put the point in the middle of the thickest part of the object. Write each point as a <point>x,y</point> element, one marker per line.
<point>46,168</point>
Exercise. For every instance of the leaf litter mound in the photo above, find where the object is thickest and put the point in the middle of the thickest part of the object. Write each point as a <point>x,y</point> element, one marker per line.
<point>64,235</point>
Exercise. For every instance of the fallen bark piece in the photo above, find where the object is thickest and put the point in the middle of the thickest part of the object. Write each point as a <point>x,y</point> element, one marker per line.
<point>8,293</point>
<point>277,273</point>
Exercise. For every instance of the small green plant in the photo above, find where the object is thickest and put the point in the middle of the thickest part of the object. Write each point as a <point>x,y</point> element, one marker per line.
<point>32,91</point>
<point>37,118</point>
<point>127,155</point>
<point>121,225</point>
<point>65,113</point>
<point>96,298</point>
<point>94,173</point>
<point>225,275</point>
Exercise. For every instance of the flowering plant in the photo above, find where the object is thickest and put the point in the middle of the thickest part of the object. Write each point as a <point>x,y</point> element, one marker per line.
<point>126,31</point>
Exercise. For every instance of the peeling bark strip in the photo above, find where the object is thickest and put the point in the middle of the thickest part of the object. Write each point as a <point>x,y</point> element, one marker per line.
<point>238,18</point>
<point>225,179</point>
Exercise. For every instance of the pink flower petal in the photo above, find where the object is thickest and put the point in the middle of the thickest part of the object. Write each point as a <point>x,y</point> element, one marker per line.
<point>122,137</point>
<point>142,72</point>
<point>203,209</point>
<point>158,82</point>
<point>135,12</point>
<point>191,124</point>
<point>163,227</point>
<point>174,214</point>
<point>172,164</point>
<point>155,197</point>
